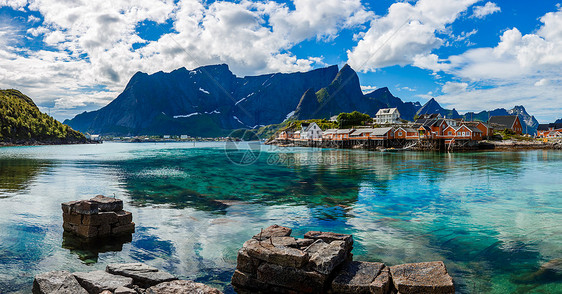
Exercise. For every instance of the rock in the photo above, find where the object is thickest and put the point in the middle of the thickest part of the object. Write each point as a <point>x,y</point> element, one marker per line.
<point>60,282</point>
<point>292,278</point>
<point>129,228</point>
<point>273,231</point>
<point>86,231</point>
<point>67,206</point>
<point>124,217</point>
<point>124,290</point>
<point>329,237</point>
<point>142,274</point>
<point>98,281</point>
<point>381,284</point>
<point>72,218</point>
<point>102,218</point>
<point>325,257</point>
<point>281,255</point>
<point>423,277</point>
<point>356,277</point>
<point>106,292</point>
<point>83,207</point>
<point>303,243</point>
<point>245,263</point>
<point>283,241</point>
<point>247,281</point>
<point>181,287</point>
<point>107,204</point>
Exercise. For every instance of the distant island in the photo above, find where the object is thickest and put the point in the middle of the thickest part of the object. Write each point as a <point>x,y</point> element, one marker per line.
<point>210,101</point>
<point>22,123</point>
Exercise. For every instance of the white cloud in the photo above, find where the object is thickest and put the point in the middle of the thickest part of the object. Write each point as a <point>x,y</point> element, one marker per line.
<point>91,43</point>
<point>454,87</point>
<point>487,9</point>
<point>521,69</point>
<point>542,82</point>
<point>368,89</point>
<point>407,31</point>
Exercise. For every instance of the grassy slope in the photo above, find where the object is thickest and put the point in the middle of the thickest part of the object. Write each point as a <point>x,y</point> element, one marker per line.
<point>22,122</point>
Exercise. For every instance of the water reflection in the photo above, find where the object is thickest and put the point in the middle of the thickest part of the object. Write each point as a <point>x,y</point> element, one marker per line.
<point>88,250</point>
<point>18,174</point>
<point>493,217</point>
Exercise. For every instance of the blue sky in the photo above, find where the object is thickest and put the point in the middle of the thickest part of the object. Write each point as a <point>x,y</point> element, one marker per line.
<point>470,55</point>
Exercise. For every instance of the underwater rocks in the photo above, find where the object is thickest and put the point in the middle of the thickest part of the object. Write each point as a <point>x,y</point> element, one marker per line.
<point>129,278</point>
<point>322,262</point>
<point>98,217</point>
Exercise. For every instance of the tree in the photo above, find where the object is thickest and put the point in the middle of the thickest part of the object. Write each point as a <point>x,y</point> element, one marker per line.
<point>352,119</point>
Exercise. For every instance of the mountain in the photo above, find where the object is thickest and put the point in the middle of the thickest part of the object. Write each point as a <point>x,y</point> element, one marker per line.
<point>528,121</point>
<point>558,121</point>
<point>207,101</point>
<point>21,122</point>
<point>387,100</point>
<point>432,106</point>
<point>344,95</point>
<point>211,101</point>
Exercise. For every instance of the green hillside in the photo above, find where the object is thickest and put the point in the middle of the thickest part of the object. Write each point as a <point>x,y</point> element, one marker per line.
<point>21,122</point>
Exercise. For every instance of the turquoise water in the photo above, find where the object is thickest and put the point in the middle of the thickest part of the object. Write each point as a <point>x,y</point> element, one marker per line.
<point>494,218</point>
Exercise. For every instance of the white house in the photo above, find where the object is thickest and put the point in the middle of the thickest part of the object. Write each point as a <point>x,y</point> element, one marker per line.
<point>310,131</point>
<point>387,116</point>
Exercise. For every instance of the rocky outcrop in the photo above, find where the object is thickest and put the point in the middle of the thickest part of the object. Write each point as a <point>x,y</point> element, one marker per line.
<point>61,282</point>
<point>423,277</point>
<point>181,286</point>
<point>98,281</point>
<point>272,261</point>
<point>142,274</point>
<point>98,217</point>
<point>131,278</point>
<point>321,262</point>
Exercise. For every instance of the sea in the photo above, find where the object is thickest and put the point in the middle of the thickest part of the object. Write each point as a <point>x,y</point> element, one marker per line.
<point>494,218</point>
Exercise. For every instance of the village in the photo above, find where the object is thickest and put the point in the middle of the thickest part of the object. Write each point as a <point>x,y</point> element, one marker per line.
<point>388,132</point>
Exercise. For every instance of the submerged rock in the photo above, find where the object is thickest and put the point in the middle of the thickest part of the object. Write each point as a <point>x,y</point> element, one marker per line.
<point>98,281</point>
<point>142,274</point>
<point>60,282</point>
<point>181,287</point>
<point>423,277</point>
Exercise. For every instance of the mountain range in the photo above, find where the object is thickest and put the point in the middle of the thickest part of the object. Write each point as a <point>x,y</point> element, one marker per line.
<point>211,101</point>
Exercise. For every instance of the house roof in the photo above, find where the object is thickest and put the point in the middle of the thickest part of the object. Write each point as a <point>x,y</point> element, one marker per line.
<point>344,131</point>
<point>359,132</point>
<point>505,121</point>
<point>380,131</point>
<point>474,129</point>
<point>546,127</point>
<point>383,111</point>
<point>406,129</point>
<point>330,131</point>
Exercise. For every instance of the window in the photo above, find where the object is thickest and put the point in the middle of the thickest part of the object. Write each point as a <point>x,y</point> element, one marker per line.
<point>450,133</point>
<point>399,133</point>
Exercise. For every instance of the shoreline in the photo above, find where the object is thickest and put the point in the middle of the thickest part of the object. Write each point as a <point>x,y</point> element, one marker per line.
<point>506,145</point>
<point>10,144</point>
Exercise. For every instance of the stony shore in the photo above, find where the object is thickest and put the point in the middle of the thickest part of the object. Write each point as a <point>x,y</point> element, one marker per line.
<point>322,262</point>
<point>128,278</point>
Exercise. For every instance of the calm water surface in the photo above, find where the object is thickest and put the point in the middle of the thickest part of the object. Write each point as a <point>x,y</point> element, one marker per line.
<point>494,218</point>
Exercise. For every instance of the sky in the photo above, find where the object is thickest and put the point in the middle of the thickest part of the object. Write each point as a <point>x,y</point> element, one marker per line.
<point>72,56</point>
